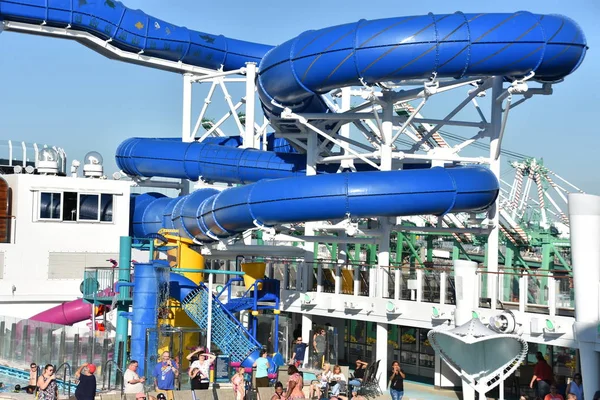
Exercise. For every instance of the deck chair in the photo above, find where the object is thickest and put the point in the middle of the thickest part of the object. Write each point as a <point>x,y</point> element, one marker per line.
<point>370,386</point>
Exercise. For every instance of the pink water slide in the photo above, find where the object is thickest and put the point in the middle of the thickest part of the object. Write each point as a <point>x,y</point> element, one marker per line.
<point>70,312</point>
<point>67,313</point>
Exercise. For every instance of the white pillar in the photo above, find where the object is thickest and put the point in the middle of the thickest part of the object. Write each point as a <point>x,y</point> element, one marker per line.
<point>312,151</point>
<point>249,140</point>
<point>397,281</point>
<point>383,257</point>
<point>211,278</point>
<point>494,215</point>
<point>381,349</point>
<point>306,337</point>
<point>186,126</point>
<point>337,279</point>
<point>373,271</point>
<point>584,215</point>
<point>465,279</point>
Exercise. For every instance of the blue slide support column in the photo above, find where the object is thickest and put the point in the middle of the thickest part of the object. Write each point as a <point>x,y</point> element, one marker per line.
<point>145,311</point>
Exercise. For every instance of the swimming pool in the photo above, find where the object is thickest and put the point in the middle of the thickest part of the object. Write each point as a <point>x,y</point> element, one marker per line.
<point>13,376</point>
<point>10,380</point>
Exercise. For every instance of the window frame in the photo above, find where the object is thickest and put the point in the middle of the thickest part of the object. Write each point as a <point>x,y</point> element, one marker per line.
<point>39,207</point>
<point>79,219</point>
<point>61,193</point>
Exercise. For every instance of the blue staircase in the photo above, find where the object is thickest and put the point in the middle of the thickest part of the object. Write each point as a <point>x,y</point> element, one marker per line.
<point>237,305</point>
<point>227,332</point>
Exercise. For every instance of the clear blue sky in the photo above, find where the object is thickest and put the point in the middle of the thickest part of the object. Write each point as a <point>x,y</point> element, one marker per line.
<point>61,93</point>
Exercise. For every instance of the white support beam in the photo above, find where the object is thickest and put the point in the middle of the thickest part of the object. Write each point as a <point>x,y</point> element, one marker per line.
<point>249,137</point>
<point>186,126</point>
<point>494,213</point>
<point>207,101</point>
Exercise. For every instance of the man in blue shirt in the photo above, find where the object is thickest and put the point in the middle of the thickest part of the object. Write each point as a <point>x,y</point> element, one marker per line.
<point>299,350</point>
<point>164,374</point>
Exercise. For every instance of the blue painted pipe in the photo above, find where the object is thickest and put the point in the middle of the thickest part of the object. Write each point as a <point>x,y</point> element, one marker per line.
<point>437,191</point>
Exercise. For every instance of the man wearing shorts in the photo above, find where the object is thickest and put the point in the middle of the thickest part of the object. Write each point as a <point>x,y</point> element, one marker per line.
<point>299,351</point>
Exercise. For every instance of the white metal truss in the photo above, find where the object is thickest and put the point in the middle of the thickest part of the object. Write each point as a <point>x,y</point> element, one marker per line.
<point>522,208</point>
<point>381,127</point>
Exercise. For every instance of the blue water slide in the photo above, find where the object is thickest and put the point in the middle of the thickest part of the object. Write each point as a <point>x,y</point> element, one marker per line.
<point>135,31</point>
<point>211,162</point>
<point>206,215</point>
<point>458,45</point>
<point>296,72</point>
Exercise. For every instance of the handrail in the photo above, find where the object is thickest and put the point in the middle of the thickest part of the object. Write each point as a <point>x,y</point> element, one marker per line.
<point>110,364</point>
<point>207,271</point>
<point>67,384</point>
<point>227,287</point>
<point>211,297</point>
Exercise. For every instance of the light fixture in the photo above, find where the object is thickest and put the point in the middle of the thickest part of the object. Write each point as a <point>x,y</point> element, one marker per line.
<point>17,169</point>
<point>352,306</point>
<point>93,165</point>
<point>392,308</point>
<point>435,313</point>
<point>307,299</point>
<point>551,326</point>
<point>505,322</point>
<point>29,169</point>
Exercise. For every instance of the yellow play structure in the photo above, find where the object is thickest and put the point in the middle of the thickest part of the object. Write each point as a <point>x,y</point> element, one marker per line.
<point>180,255</point>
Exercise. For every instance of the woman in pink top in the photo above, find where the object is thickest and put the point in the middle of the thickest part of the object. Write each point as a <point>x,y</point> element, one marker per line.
<point>294,386</point>
<point>239,387</point>
<point>553,395</point>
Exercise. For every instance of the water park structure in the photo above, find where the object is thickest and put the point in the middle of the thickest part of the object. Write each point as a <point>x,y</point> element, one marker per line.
<point>345,202</point>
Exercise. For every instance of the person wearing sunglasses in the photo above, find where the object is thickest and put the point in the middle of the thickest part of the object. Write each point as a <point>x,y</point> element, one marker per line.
<point>298,354</point>
<point>47,386</point>
<point>576,386</point>
<point>33,377</point>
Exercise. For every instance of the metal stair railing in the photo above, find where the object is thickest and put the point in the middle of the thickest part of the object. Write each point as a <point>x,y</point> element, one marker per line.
<point>227,333</point>
<point>66,387</point>
<point>106,377</point>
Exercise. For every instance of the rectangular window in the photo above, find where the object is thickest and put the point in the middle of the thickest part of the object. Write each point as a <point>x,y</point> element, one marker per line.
<point>69,206</point>
<point>106,207</point>
<point>50,205</point>
<point>88,207</point>
<point>73,206</point>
